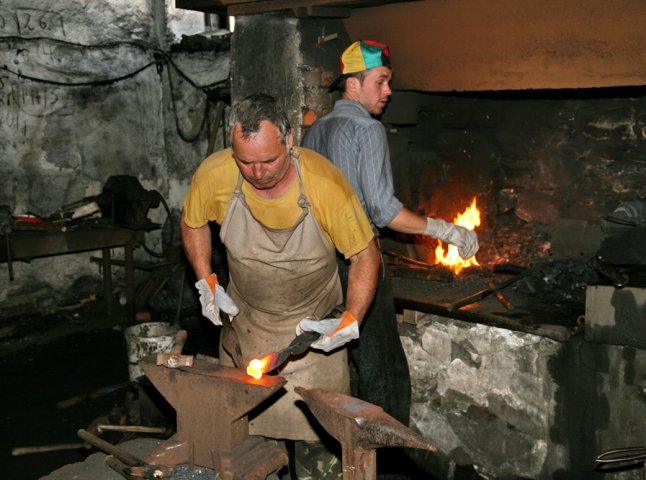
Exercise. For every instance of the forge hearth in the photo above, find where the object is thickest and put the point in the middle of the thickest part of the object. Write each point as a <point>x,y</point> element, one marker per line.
<point>519,298</point>
<point>544,294</point>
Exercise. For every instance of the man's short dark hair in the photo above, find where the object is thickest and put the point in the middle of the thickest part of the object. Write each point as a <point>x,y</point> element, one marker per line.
<point>256,108</point>
<point>359,75</point>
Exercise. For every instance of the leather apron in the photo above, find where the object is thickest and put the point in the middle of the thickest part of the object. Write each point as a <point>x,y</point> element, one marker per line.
<point>278,277</point>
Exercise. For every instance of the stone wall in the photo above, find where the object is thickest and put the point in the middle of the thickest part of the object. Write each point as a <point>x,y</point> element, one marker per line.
<point>512,405</point>
<point>266,59</point>
<point>91,90</point>
<point>295,60</point>
<point>485,397</point>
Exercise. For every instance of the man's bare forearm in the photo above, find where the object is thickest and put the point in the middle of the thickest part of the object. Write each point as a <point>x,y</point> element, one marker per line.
<point>362,280</point>
<point>408,222</point>
<point>197,246</point>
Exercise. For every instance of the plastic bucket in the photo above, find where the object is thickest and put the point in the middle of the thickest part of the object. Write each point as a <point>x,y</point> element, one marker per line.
<point>144,339</point>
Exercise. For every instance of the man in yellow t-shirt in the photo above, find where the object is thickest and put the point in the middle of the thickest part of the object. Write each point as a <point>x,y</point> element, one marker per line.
<point>284,213</point>
<point>335,207</point>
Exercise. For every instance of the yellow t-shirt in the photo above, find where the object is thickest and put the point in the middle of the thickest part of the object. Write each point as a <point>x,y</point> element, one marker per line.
<point>336,208</point>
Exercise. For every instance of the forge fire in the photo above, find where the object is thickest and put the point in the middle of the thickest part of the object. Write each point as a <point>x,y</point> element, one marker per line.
<point>469,218</point>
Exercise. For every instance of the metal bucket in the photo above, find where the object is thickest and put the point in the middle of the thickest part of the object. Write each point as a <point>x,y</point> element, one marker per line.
<point>144,339</point>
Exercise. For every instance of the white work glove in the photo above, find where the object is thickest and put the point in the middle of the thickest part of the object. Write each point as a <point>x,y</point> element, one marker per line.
<point>213,299</point>
<point>466,240</point>
<point>334,331</point>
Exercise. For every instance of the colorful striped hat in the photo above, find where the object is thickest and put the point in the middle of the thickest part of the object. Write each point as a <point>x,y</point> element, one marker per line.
<point>362,55</point>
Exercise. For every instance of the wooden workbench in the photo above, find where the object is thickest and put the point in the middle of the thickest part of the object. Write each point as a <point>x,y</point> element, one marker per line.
<point>25,245</point>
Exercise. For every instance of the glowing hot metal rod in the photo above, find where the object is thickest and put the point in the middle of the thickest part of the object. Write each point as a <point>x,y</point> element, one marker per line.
<point>258,366</point>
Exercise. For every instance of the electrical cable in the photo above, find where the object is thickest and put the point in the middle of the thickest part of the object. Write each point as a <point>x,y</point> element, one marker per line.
<point>178,128</point>
<point>157,62</point>
<point>107,81</point>
<point>141,45</point>
<point>172,229</point>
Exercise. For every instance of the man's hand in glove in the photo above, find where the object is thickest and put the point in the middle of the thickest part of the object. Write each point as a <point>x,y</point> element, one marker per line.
<point>334,331</point>
<point>213,299</point>
<point>466,240</point>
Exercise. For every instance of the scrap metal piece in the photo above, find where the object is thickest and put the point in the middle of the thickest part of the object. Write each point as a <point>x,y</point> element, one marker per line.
<point>501,296</point>
<point>482,294</point>
<point>116,465</point>
<point>620,457</point>
<point>47,448</point>
<point>405,259</point>
<point>149,472</point>
<point>361,428</point>
<point>212,402</point>
<point>130,428</point>
<point>174,358</point>
<point>124,462</point>
<point>625,454</point>
<point>619,279</point>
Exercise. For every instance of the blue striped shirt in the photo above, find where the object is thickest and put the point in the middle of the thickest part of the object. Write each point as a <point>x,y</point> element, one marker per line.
<point>357,144</point>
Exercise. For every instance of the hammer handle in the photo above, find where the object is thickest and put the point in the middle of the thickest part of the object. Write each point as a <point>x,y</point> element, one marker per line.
<point>116,452</point>
<point>180,340</point>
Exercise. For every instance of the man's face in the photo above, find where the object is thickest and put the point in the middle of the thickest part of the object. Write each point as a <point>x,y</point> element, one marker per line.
<point>373,93</point>
<point>262,157</point>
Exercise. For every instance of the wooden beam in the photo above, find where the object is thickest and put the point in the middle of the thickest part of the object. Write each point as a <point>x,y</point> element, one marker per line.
<point>300,8</point>
<point>248,8</point>
<point>206,6</point>
<point>316,11</point>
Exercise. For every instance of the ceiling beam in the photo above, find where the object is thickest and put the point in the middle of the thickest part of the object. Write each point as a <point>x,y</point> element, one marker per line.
<point>300,8</point>
<point>206,6</point>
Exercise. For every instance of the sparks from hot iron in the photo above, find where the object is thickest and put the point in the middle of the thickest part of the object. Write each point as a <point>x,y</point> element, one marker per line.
<point>470,219</point>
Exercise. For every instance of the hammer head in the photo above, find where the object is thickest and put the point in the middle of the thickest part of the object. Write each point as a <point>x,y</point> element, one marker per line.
<point>149,471</point>
<point>175,360</point>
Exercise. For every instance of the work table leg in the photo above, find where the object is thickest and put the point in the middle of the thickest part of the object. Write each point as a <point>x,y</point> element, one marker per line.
<point>130,283</point>
<point>107,280</point>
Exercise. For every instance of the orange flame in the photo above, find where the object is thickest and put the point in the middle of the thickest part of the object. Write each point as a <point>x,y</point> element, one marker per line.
<point>470,219</point>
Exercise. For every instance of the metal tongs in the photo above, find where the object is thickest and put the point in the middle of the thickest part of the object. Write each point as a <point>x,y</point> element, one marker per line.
<point>298,345</point>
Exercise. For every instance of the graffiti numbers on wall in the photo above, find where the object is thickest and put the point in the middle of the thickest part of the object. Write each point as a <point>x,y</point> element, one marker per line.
<point>11,120</point>
<point>19,99</point>
<point>32,22</point>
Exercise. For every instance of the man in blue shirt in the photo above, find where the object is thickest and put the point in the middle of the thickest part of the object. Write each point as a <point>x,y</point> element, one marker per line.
<point>357,143</point>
